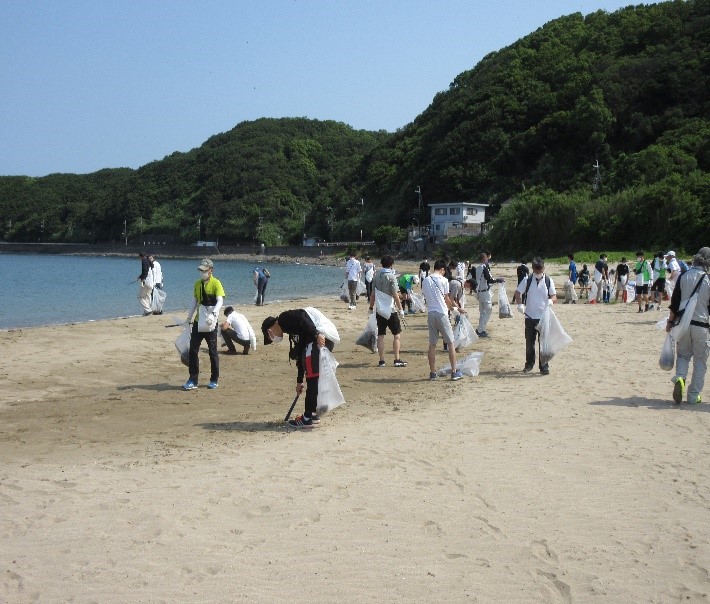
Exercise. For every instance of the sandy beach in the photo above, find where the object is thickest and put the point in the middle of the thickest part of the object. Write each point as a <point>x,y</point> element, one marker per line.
<point>587,485</point>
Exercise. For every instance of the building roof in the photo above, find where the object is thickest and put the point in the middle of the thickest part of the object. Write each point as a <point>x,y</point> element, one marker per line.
<point>460,203</point>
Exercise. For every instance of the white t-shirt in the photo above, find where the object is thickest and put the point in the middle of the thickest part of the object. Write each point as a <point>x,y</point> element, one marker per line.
<point>239,324</point>
<point>434,288</point>
<point>157,272</point>
<point>538,295</point>
<point>674,266</point>
<point>353,269</point>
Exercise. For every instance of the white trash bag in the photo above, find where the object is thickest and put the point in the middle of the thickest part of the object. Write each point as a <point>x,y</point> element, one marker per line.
<point>630,292</point>
<point>384,304</point>
<point>158,301</point>
<point>593,291</point>
<point>667,358</point>
<point>470,366</point>
<point>418,303</point>
<point>323,324</point>
<point>503,303</point>
<point>361,288</point>
<point>329,394</point>
<point>182,343</point>
<point>344,293</point>
<point>368,338</point>
<point>553,337</point>
<point>464,333</point>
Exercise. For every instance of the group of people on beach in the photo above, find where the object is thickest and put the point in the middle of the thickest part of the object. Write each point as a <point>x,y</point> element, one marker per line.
<point>443,292</point>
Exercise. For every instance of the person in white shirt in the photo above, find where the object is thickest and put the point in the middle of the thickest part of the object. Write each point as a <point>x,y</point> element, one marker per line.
<point>353,269</point>
<point>436,293</point>
<point>235,328</point>
<point>532,296</point>
<point>157,275</point>
<point>157,271</point>
<point>674,268</point>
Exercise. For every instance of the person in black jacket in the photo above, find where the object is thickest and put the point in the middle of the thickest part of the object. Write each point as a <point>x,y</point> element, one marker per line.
<point>305,344</point>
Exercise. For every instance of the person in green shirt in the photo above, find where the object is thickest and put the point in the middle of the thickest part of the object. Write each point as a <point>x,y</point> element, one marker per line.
<point>208,296</point>
<point>643,280</point>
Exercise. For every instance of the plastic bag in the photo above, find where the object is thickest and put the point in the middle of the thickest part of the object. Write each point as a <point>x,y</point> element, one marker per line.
<point>206,321</point>
<point>418,302</point>
<point>630,291</point>
<point>667,358</point>
<point>503,303</point>
<point>553,337</point>
<point>368,338</point>
<point>182,343</point>
<point>384,304</point>
<point>329,394</point>
<point>361,288</point>
<point>686,314</point>
<point>344,293</point>
<point>156,304</point>
<point>323,324</point>
<point>471,365</point>
<point>593,290</point>
<point>464,333</point>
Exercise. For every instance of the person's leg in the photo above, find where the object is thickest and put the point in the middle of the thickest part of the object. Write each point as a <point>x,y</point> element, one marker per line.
<point>245,343</point>
<point>381,331</point>
<point>145,295</point>
<point>530,337</point>
<point>431,355</point>
<point>230,336</point>
<point>262,289</point>
<point>194,358</point>
<point>396,343</point>
<point>700,338</point>
<point>311,403</point>
<point>381,347</point>
<point>486,308</point>
<point>211,338</point>
<point>352,292</point>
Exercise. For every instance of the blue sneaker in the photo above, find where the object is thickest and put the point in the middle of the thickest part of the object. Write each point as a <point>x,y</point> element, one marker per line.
<point>212,385</point>
<point>456,375</point>
<point>189,385</point>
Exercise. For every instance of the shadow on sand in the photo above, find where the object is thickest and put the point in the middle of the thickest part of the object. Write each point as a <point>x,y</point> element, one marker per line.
<point>651,403</point>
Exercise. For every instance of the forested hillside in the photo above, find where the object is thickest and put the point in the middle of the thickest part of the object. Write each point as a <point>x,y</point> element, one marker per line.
<point>528,124</point>
<point>263,181</point>
<point>525,126</point>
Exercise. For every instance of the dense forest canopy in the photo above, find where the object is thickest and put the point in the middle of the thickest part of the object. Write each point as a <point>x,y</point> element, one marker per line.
<point>522,131</point>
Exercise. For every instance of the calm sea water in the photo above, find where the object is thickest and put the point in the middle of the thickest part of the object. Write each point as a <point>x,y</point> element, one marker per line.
<point>48,289</point>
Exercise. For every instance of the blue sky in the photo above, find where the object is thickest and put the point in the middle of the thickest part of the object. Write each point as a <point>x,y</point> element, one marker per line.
<point>92,84</point>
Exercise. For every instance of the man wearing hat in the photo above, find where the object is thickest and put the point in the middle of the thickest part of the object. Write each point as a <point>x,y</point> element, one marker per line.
<point>673,269</point>
<point>208,297</point>
<point>694,343</point>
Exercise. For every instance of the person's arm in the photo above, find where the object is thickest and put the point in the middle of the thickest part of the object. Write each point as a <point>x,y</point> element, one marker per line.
<point>218,306</point>
<point>192,310</point>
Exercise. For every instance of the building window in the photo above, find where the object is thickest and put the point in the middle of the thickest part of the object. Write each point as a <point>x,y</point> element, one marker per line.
<point>454,211</point>
<point>439,211</point>
<point>471,211</point>
<point>438,227</point>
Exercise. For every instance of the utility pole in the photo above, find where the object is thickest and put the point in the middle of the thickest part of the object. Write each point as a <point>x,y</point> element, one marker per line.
<point>597,176</point>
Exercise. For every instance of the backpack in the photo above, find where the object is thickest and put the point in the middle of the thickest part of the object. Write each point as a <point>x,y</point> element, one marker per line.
<point>527,287</point>
<point>267,274</point>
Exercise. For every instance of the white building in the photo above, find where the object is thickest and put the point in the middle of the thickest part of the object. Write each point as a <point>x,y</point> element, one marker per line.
<point>456,218</point>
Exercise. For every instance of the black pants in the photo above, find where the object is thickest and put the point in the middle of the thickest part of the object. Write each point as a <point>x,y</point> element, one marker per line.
<point>531,337</point>
<point>194,363</point>
<point>261,290</point>
<point>230,337</point>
